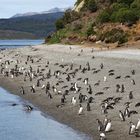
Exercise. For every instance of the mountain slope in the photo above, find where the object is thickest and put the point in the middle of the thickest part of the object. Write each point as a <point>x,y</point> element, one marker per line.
<point>108,21</point>
<point>39,25</point>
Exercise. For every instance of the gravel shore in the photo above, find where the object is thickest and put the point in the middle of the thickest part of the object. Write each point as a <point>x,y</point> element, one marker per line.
<point>54,57</point>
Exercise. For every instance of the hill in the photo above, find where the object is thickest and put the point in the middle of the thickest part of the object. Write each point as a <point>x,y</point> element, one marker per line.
<point>39,25</point>
<point>108,21</point>
<point>9,34</point>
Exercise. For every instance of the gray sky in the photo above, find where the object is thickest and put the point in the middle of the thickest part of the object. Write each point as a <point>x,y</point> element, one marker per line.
<point>9,8</point>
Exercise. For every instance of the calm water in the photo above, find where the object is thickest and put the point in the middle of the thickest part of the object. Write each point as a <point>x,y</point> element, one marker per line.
<point>18,124</point>
<point>18,43</point>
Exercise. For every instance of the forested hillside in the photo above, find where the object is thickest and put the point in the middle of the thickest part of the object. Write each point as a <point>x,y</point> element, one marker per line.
<point>109,21</point>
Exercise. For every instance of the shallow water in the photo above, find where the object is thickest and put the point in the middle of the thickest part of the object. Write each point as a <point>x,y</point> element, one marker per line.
<point>18,43</point>
<point>18,124</point>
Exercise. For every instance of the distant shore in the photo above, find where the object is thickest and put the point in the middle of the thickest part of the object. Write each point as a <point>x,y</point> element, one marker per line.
<point>121,60</point>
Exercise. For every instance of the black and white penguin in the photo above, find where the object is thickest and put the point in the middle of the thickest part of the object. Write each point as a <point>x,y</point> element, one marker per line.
<point>138,125</point>
<point>132,128</point>
<point>101,66</point>
<point>86,81</point>
<point>22,91</point>
<point>88,107</point>
<point>127,112</point>
<point>131,95</point>
<point>102,136</point>
<point>80,112</point>
<point>133,82</point>
<point>32,89</point>
<point>108,126</point>
<point>100,125</point>
<point>121,115</point>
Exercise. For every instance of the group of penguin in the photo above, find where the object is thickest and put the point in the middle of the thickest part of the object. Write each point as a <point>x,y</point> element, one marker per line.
<point>40,77</point>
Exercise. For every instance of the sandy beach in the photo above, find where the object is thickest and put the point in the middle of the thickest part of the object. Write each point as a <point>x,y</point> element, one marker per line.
<point>60,58</point>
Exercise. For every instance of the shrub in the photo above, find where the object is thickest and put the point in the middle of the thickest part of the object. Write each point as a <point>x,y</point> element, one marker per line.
<point>59,24</point>
<point>126,15</point>
<point>115,35</point>
<point>104,16</point>
<point>76,26</point>
<point>90,30</point>
<point>92,6</point>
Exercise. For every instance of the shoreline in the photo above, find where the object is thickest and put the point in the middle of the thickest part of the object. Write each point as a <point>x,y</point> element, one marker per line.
<point>85,123</point>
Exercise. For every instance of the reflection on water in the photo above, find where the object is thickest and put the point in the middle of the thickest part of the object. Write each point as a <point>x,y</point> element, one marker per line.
<point>18,124</point>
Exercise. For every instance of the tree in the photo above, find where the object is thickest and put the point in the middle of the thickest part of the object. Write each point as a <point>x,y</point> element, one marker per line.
<point>59,24</point>
<point>104,16</point>
<point>92,5</point>
<point>126,15</point>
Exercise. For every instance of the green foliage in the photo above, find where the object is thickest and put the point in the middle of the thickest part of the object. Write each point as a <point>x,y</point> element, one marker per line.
<point>57,37</point>
<point>59,24</point>
<point>126,15</point>
<point>90,30</point>
<point>135,7</point>
<point>128,2</point>
<point>92,6</point>
<point>76,26</point>
<point>70,16</point>
<point>104,16</point>
<point>115,35</point>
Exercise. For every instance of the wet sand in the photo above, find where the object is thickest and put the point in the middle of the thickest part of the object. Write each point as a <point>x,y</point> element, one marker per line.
<point>122,61</point>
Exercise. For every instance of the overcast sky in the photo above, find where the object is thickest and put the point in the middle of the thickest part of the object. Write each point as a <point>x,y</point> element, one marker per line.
<point>9,8</point>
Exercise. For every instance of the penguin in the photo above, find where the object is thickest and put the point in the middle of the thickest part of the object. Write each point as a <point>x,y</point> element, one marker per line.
<point>80,112</point>
<point>133,72</point>
<point>127,112</point>
<point>133,82</point>
<point>108,126</point>
<point>122,88</point>
<point>105,78</point>
<point>22,91</point>
<point>121,115</point>
<point>105,121</point>
<point>138,125</point>
<point>73,100</point>
<point>89,90</point>
<point>101,66</point>
<point>131,95</point>
<point>33,89</point>
<point>102,136</point>
<point>88,107</point>
<point>118,88</point>
<point>29,108</point>
<point>132,128</point>
<point>86,81</point>
<point>100,125</point>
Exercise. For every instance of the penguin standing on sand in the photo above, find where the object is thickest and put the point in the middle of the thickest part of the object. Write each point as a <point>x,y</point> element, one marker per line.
<point>108,126</point>
<point>102,136</point>
<point>80,112</point>
<point>127,112</point>
<point>86,81</point>
<point>101,66</point>
<point>33,89</point>
<point>132,128</point>
<point>73,100</point>
<point>22,91</point>
<point>131,95</point>
<point>122,88</point>
<point>88,107</point>
<point>118,88</point>
<point>100,125</point>
<point>133,82</point>
<point>105,78</point>
<point>121,115</point>
<point>138,125</point>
